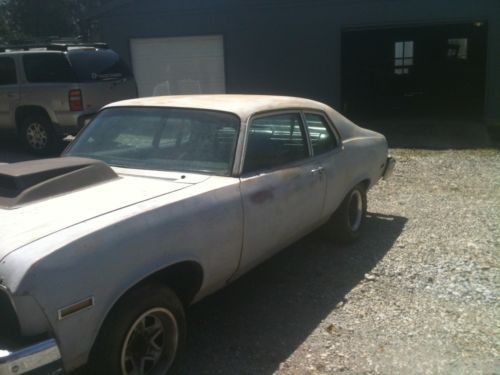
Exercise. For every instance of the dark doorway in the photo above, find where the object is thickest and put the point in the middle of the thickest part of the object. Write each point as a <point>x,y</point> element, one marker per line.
<point>428,72</point>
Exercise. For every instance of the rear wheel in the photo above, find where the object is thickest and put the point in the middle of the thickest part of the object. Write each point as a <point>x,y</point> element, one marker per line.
<point>346,223</point>
<point>144,335</point>
<point>37,134</point>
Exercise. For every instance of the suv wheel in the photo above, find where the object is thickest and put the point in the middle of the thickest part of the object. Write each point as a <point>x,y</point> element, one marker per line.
<point>38,134</point>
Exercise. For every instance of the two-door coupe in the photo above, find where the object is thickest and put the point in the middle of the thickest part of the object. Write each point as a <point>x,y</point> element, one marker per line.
<point>157,203</point>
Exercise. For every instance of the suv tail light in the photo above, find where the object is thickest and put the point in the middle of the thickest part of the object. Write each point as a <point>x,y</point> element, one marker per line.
<point>75,100</point>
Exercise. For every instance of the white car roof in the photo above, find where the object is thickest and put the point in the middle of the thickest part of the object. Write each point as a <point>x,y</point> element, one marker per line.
<point>242,105</point>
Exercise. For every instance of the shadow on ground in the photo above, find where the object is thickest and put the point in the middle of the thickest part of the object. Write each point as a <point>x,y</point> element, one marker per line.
<point>12,151</point>
<point>259,321</point>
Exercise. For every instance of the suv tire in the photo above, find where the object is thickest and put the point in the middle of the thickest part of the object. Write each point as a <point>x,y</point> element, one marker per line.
<point>37,134</point>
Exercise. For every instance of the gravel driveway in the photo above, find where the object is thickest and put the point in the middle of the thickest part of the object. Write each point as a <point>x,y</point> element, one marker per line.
<point>418,294</point>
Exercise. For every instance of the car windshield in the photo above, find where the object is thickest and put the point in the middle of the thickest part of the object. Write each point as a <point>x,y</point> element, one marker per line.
<point>165,139</point>
<point>98,65</point>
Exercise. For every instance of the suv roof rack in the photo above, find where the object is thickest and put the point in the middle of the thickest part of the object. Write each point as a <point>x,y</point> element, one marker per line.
<point>53,46</point>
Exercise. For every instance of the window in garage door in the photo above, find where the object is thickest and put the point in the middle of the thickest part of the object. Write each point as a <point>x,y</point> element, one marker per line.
<point>179,65</point>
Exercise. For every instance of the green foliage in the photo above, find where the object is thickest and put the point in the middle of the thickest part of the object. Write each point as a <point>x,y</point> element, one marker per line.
<point>38,19</point>
<point>28,20</point>
<point>3,22</point>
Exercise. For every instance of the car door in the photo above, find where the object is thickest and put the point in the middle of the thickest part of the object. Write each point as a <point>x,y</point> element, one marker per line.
<point>9,92</point>
<point>282,188</point>
<point>327,153</point>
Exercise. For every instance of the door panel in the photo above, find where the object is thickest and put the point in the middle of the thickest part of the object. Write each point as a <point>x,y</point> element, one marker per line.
<point>280,207</point>
<point>326,149</point>
<point>283,188</point>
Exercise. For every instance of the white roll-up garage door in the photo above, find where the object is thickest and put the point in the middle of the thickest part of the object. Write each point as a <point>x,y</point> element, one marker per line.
<point>177,66</point>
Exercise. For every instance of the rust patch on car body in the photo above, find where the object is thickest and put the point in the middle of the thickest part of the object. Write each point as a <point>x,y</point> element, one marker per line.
<point>262,196</point>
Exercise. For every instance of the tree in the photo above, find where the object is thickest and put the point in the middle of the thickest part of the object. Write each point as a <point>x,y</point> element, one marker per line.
<point>31,20</point>
<point>40,19</point>
<point>4,29</point>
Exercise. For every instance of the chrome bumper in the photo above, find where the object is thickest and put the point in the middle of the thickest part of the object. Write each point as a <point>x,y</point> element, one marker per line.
<point>41,358</point>
<point>389,167</point>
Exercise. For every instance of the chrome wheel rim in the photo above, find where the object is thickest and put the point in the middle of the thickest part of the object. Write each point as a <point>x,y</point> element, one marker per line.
<point>37,136</point>
<point>355,210</point>
<point>151,344</point>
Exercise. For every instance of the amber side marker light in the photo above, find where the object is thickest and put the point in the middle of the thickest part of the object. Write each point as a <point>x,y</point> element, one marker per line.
<point>76,307</point>
<point>75,100</point>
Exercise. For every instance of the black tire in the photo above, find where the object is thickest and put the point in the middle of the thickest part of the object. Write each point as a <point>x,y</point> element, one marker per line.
<point>346,223</point>
<point>38,134</point>
<point>119,340</point>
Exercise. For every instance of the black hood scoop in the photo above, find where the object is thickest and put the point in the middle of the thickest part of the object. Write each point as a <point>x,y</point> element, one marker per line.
<point>29,181</point>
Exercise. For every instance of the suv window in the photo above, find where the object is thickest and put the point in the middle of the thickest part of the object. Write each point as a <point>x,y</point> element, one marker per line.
<point>98,65</point>
<point>320,134</point>
<point>7,71</point>
<point>47,67</point>
<point>274,141</point>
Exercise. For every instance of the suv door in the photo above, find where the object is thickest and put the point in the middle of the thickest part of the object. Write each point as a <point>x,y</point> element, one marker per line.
<point>9,92</point>
<point>282,187</point>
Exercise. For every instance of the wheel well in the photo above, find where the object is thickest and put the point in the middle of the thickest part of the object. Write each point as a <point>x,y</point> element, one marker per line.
<point>365,184</point>
<point>23,112</point>
<point>183,278</point>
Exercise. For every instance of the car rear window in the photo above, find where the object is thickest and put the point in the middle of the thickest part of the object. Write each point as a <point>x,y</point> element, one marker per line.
<point>47,67</point>
<point>98,65</point>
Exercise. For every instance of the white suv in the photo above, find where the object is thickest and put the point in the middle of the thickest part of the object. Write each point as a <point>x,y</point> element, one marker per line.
<point>49,91</point>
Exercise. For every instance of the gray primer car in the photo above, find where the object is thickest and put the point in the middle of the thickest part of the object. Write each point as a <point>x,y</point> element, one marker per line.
<point>49,91</point>
<point>158,203</point>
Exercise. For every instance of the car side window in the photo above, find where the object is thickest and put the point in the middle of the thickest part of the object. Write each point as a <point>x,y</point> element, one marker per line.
<point>48,67</point>
<point>274,141</point>
<point>7,71</point>
<point>320,134</point>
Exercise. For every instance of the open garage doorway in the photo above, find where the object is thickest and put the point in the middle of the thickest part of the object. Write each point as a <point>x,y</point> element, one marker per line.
<point>433,71</point>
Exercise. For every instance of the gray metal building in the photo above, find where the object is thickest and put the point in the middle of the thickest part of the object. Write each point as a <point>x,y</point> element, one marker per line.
<point>382,59</point>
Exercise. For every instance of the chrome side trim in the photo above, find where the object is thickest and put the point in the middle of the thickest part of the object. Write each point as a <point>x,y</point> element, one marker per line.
<point>29,358</point>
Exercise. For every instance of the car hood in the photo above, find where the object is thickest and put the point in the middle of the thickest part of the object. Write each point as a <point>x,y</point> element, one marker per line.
<point>23,225</point>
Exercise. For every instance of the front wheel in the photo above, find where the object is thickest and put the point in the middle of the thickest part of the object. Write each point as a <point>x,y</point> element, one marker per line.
<point>144,335</point>
<point>346,223</point>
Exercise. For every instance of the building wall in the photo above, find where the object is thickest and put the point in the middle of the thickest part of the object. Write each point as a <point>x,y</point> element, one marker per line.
<point>294,47</point>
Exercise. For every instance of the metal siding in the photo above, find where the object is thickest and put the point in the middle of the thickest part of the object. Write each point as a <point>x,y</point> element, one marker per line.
<point>293,47</point>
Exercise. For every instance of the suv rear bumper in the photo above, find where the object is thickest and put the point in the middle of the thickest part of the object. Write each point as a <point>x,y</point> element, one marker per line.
<point>71,122</point>
<point>40,358</point>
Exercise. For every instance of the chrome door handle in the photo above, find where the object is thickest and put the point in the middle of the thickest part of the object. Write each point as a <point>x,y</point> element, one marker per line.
<point>318,170</point>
